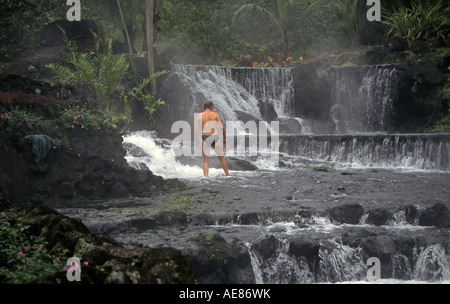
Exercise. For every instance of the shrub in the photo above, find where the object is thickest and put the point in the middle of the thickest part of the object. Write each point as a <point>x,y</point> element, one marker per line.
<point>16,118</point>
<point>421,21</point>
<point>79,117</point>
<point>24,258</point>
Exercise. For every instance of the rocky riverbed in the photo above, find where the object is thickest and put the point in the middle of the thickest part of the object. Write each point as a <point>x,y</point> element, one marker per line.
<point>292,225</point>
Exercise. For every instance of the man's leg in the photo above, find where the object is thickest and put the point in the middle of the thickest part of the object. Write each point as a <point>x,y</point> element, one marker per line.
<point>219,152</point>
<point>205,152</point>
<point>223,161</point>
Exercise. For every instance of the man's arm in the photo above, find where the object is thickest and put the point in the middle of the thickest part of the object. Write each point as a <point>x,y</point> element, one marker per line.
<point>196,123</point>
<point>223,130</point>
<point>197,130</point>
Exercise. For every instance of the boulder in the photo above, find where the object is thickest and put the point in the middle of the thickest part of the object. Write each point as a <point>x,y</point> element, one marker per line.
<point>382,247</point>
<point>379,216</point>
<point>347,214</point>
<point>250,218</point>
<point>437,215</point>
<point>267,247</point>
<point>217,261</point>
<point>410,212</point>
<point>305,247</point>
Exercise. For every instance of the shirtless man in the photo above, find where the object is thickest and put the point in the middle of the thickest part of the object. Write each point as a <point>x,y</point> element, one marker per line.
<point>210,137</point>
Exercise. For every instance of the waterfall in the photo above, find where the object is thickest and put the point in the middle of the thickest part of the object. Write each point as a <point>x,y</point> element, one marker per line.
<point>273,87</point>
<point>234,91</point>
<point>216,84</point>
<point>279,267</point>
<point>433,264</point>
<point>363,98</point>
<point>338,262</point>
<point>416,151</point>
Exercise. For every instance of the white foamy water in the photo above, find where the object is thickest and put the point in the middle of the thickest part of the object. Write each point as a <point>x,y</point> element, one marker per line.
<point>144,150</point>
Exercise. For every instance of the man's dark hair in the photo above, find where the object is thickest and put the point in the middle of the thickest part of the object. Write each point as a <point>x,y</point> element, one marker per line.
<point>208,104</point>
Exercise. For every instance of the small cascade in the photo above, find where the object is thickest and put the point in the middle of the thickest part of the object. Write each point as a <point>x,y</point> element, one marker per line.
<point>363,98</point>
<point>278,266</point>
<point>433,264</point>
<point>238,93</point>
<point>336,262</point>
<point>340,263</point>
<point>214,83</point>
<point>145,152</point>
<point>272,87</point>
<point>421,151</point>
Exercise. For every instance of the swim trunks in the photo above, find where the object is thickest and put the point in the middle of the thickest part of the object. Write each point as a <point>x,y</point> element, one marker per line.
<point>210,139</point>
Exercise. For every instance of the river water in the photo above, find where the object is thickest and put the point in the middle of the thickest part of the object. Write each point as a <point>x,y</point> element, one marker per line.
<point>282,197</point>
<point>277,201</point>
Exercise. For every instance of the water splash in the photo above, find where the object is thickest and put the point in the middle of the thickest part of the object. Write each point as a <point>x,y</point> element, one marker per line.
<point>433,264</point>
<point>144,152</point>
<point>339,262</point>
<point>280,267</point>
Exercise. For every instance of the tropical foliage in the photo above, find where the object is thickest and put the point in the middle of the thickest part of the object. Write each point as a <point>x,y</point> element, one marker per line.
<point>102,69</point>
<point>427,20</point>
<point>263,33</point>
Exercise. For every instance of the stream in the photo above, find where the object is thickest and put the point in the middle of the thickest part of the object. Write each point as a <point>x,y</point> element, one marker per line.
<point>337,194</point>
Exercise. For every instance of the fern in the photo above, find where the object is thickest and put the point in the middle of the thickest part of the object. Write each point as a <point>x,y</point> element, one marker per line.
<point>103,70</point>
<point>150,103</point>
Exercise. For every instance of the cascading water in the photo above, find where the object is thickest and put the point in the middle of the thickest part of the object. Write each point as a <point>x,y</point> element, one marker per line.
<point>421,151</point>
<point>363,98</point>
<point>273,87</point>
<point>217,84</point>
<point>337,262</point>
<point>363,101</point>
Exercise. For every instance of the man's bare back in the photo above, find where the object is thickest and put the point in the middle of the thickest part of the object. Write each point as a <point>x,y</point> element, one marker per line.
<point>210,136</point>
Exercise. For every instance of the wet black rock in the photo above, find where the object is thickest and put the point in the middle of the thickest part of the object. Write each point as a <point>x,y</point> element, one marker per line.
<point>382,247</point>
<point>379,216</point>
<point>308,248</point>
<point>313,85</point>
<point>217,261</point>
<point>171,218</point>
<point>267,247</point>
<point>347,214</point>
<point>250,218</point>
<point>438,215</point>
<point>410,212</point>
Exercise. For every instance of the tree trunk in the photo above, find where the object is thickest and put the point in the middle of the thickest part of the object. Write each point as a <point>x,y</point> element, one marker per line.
<point>130,47</point>
<point>149,32</point>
